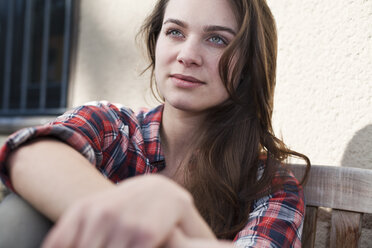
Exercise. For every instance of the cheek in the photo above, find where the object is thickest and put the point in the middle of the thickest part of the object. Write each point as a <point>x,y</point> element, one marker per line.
<point>215,74</point>
<point>160,66</point>
<point>161,49</point>
<point>158,61</point>
<point>213,60</point>
<point>216,71</point>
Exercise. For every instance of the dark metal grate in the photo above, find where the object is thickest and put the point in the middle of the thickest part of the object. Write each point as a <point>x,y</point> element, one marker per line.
<point>35,37</point>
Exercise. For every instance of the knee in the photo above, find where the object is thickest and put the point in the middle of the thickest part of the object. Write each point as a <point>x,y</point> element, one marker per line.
<point>21,225</point>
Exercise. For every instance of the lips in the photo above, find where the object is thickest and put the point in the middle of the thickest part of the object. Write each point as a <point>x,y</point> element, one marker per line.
<point>186,79</point>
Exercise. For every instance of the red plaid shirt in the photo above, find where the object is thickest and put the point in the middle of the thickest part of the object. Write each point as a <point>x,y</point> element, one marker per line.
<point>121,144</point>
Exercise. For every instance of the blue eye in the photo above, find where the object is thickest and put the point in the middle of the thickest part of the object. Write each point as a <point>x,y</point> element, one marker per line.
<point>217,40</point>
<point>174,32</point>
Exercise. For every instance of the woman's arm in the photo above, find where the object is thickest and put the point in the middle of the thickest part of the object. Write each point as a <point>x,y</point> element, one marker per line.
<point>63,185</point>
<point>52,176</point>
<point>140,212</point>
<point>44,167</point>
<point>276,220</point>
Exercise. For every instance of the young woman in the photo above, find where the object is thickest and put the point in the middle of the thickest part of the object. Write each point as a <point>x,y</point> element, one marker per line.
<point>201,170</point>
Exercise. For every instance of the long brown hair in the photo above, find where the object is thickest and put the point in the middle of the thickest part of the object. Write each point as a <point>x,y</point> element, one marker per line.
<point>223,165</point>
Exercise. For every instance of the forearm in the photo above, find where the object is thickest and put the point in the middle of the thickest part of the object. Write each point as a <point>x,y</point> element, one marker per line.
<point>193,225</point>
<point>51,176</point>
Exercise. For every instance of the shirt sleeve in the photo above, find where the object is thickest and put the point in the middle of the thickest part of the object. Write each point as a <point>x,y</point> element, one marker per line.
<point>276,220</point>
<point>95,130</point>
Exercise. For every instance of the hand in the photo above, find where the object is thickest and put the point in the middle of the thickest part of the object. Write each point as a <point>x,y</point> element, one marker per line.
<point>178,239</point>
<point>140,212</point>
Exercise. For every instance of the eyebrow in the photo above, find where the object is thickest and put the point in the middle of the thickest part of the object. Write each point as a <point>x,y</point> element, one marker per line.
<point>175,21</point>
<point>210,28</point>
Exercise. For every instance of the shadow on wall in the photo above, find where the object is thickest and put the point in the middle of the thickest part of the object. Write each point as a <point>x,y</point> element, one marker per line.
<point>358,152</point>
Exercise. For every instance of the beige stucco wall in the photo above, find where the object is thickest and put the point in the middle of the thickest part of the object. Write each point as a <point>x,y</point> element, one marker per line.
<point>324,92</point>
<point>323,104</point>
<point>109,63</point>
<point>324,86</point>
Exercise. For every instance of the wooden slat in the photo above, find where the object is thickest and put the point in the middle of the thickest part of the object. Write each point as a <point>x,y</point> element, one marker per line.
<point>337,187</point>
<point>308,234</point>
<point>345,229</point>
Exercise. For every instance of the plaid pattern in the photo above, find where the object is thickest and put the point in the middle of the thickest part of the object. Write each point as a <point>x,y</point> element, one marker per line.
<point>121,144</point>
<point>275,220</point>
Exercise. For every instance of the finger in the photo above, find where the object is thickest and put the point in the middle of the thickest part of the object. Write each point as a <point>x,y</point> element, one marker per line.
<point>64,233</point>
<point>129,233</point>
<point>96,229</point>
<point>178,239</point>
<point>190,229</point>
<point>118,238</point>
<point>204,243</point>
<point>175,239</point>
<point>138,231</point>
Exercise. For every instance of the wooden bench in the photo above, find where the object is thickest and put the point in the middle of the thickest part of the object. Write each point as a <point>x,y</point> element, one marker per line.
<point>347,191</point>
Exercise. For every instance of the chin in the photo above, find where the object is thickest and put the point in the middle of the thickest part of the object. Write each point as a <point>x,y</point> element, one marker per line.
<point>187,106</point>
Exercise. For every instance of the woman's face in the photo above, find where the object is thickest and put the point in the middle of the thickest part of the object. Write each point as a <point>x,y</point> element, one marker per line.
<point>194,35</point>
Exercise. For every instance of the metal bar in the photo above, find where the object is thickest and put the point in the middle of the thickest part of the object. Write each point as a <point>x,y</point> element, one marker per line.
<point>26,53</point>
<point>66,52</point>
<point>8,55</point>
<point>30,112</point>
<point>44,63</point>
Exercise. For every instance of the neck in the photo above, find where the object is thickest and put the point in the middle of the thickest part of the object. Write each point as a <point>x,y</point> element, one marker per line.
<point>177,131</point>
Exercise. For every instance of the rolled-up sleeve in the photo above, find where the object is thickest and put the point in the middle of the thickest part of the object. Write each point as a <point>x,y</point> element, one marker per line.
<point>93,130</point>
<point>276,220</point>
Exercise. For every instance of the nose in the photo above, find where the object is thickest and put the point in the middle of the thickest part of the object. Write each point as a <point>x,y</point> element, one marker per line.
<point>190,53</point>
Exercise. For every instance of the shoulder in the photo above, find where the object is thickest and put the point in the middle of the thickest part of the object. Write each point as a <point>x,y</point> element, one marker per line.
<point>114,112</point>
<point>99,110</point>
<point>101,117</point>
